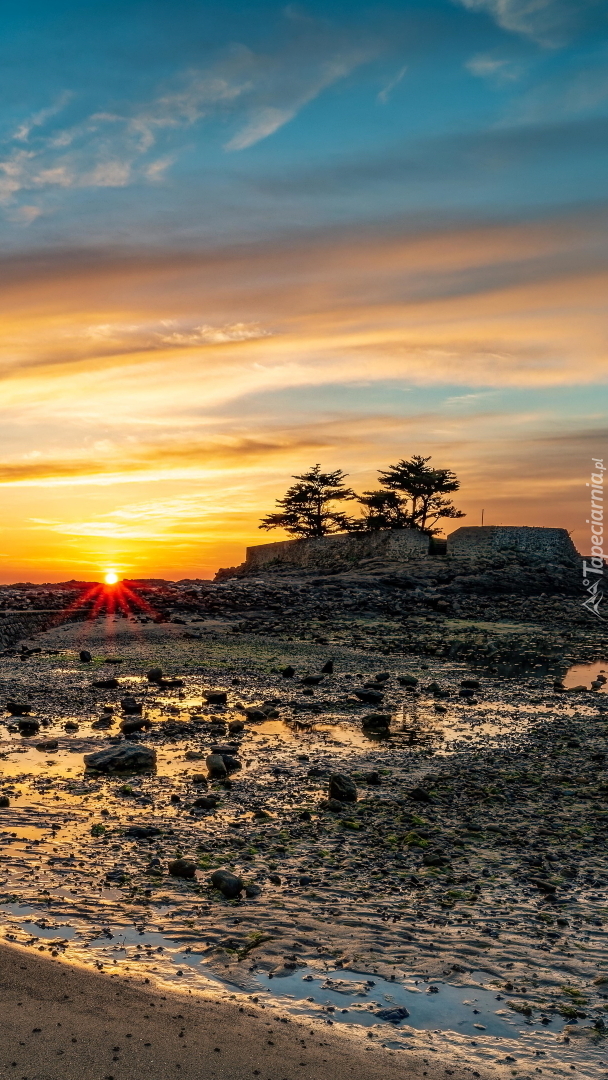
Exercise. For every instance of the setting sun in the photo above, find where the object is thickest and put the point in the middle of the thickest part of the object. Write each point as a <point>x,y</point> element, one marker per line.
<point>111,578</point>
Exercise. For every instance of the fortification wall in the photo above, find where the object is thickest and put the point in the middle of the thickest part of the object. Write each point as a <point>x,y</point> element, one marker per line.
<point>18,625</point>
<point>347,548</point>
<point>485,541</point>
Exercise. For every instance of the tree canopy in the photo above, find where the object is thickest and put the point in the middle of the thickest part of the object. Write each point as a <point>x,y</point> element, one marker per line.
<point>306,508</point>
<point>412,496</point>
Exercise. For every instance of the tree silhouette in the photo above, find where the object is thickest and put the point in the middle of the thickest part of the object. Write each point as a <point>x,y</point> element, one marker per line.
<point>422,492</point>
<point>381,510</point>
<point>306,506</point>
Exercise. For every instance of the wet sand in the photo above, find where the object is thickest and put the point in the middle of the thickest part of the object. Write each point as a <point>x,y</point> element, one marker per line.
<point>66,1023</point>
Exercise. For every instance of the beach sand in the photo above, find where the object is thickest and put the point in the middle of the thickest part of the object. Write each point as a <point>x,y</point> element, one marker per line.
<point>62,1022</point>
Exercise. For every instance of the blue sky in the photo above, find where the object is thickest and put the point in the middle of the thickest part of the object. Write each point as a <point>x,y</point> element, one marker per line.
<point>237,238</point>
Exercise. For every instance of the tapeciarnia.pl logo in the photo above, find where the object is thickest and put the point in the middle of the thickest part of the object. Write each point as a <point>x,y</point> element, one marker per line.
<point>593,571</point>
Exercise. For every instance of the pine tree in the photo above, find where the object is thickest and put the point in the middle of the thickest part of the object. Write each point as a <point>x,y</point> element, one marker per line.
<point>306,508</point>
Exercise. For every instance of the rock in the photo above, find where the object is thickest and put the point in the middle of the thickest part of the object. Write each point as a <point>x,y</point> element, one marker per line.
<point>128,727</point>
<point>311,680</point>
<point>370,697</point>
<point>216,766</point>
<point>544,886</point>
<point>328,668</point>
<point>18,708</point>
<point>465,693</point>
<point>183,868</point>
<point>228,884</point>
<point>143,832</point>
<point>71,725</point>
<point>275,879</point>
<point>235,726</point>
<point>215,697</point>
<point>341,787</point>
<point>394,1016</point>
<point>85,656</point>
<point>112,660</point>
<point>50,744</point>
<point>256,716</point>
<point>154,675</point>
<point>194,755</point>
<point>131,706</point>
<point>122,759</point>
<point>28,726</point>
<point>407,680</point>
<point>206,802</point>
<point>288,672</point>
<point>433,858</point>
<point>377,721</point>
<point>470,684</point>
<point>304,879</point>
<point>419,794</point>
<point>4,802</point>
<point>252,890</point>
<point>103,722</point>
<point>372,777</point>
<point>105,684</point>
<point>232,763</point>
<point>174,798</point>
<point>199,778</point>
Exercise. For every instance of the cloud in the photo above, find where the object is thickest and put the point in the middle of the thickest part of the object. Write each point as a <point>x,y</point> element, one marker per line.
<point>386,92</point>
<point>549,22</point>
<point>484,66</point>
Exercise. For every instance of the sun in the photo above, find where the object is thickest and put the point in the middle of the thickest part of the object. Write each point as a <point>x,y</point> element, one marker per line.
<point>111,577</point>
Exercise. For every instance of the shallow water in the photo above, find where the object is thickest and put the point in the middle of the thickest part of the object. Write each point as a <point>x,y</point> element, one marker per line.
<point>585,674</point>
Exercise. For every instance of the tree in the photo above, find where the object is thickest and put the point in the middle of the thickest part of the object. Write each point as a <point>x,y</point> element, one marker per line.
<point>422,491</point>
<point>381,510</point>
<point>306,507</point>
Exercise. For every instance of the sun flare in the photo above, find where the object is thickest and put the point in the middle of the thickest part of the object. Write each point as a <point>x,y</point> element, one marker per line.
<point>111,577</point>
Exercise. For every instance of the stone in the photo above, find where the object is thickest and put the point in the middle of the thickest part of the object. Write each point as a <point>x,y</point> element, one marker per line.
<point>370,697</point>
<point>394,1016</point>
<point>275,879</point>
<point>377,721</point>
<point>215,697</point>
<point>252,891</point>
<point>227,883</point>
<point>85,656</point>
<point>256,716</point>
<point>182,868</point>
<point>28,726</point>
<point>128,727</point>
<point>288,672</point>
<point>154,675</point>
<point>311,680</point>
<point>143,832</point>
<point>419,794</point>
<point>131,706</point>
<point>407,680</point>
<point>470,684</point>
<point>199,778</point>
<point>174,798</point>
<point>341,787</point>
<point>4,802</point>
<point>71,725</point>
<point>372,777</point>
<point>215,765</point>
<point>383,676</point>
<point>206,802</point>
<point>304,879</point>
<point>45,747</point>
<point>18,708</point>
<point>105,684</point>
<point>544,886</point>
<point>112,660</point>
<point>328,668</point>
<point>433,858</point>
<point>122,759</point>
<point>235,726</point>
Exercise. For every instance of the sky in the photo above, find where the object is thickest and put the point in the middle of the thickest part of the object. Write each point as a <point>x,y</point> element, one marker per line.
<point>237,240</point>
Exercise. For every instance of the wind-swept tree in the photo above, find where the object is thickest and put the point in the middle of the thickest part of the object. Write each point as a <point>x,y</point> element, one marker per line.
<point>422,491</point>
<point>306,508</point>
<point>381,510</point>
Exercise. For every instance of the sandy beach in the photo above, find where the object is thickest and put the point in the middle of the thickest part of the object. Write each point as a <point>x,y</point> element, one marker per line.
<point>64,1023</point>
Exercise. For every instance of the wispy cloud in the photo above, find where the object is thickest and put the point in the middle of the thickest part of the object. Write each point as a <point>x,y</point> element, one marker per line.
<point>386,92</point>
<point>549,22</point>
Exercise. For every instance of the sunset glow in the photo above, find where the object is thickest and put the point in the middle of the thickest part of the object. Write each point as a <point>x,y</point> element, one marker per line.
<point>298,237</point>
<point>111,578</point>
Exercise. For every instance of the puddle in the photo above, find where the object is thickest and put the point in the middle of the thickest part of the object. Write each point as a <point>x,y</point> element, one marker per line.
<point>586,675</point>
<point>469,1010</point>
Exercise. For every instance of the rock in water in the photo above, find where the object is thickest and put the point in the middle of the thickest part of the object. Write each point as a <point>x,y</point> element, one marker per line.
<point>131,706</point>
<point>155,675</point>
<point>228,884</point>
<point>122,759</point>
<point>377,721</point>
<point>4,801</point>
<point>85,656</point>
<point>128,727</point>
<point>18,708</point>
<point>215,697</point>
<point>184,868</point>
<point>341,787</point>
<point>394,1016</point>
<point>216,766</point>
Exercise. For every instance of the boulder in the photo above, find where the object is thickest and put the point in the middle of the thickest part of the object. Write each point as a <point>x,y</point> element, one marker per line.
<point>206,802</point>
<point>128,727</point>
<point>288,672</point>
<point>184,868</point>
<point>18,708</point>
<point>28,726</point>
<point>228,884</point>
<point>394,1016</point>
<point>154,675</point>
<point>143,832</point>
<point>370,697</point>
<point>122,759</point>
<point>105,684</point>
<point>215,697</point>
<point>85,656</point>
<point>311,680</point>
<point>341,787</point>
<point>377,721</point>
<point>131,707</point>
<point>216,766</point>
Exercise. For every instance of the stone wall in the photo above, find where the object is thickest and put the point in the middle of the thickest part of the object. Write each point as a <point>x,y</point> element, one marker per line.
<point>346,548</point>
<point>487,540</point>
<point>18,626</point>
